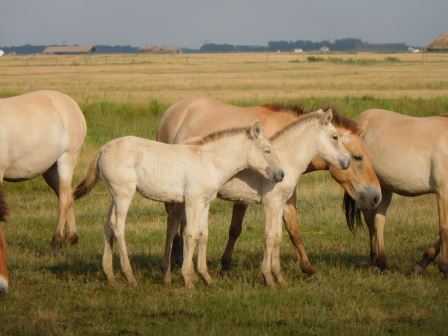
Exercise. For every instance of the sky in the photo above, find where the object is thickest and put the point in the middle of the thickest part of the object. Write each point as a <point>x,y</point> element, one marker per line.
<point>190,23</point>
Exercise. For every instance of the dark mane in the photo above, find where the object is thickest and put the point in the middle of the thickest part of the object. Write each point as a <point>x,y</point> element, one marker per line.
<point>219,134</point>
<point>298,110</point>
<point>352,213</point>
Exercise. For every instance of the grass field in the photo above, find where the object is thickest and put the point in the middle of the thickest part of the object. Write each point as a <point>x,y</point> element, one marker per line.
<point>66,293</point>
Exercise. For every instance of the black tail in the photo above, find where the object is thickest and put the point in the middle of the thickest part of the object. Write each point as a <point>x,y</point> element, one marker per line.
<point>352,214</point>
<point>3,206</point>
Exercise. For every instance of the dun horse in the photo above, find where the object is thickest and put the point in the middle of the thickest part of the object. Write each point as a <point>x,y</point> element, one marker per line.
<point>296,144</point>
<point>3,263</point>
<point>410,158</point>
<point>41,133</point>
<point>190,174</point>
<point>194,117</point>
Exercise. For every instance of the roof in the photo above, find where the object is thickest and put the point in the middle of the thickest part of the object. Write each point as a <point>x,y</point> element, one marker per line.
<point>75,49</point>
<point>440,43</point>
<point>158,49</point>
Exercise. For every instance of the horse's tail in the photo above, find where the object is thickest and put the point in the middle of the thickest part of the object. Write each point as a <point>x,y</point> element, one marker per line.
<point>352,213</point>
<point>90,180</point>
<point>3,206</point>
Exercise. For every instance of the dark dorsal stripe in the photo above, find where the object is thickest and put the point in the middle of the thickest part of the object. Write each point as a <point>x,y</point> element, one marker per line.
<point>220,134</point>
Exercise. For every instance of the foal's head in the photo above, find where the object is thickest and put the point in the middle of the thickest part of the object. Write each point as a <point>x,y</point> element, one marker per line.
<point>329,146</point>
<point>261,156</point>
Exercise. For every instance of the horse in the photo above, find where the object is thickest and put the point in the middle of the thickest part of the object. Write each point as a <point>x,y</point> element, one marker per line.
<point>195,116</point>
<point>3,263</point>
<point>190,174</point>
<point>409,155</point>
<point>296,143</point>
<point>41,133</point>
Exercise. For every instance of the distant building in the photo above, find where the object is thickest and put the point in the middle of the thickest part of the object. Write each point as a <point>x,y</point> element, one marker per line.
<point>2,52</point>
<point>324,49</point>
<point>69,50</point>
<point>298,50</point>
<point>148,49</point>
<point>440,44</point>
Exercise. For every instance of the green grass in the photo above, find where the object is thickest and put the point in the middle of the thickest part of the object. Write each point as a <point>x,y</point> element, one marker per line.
<point>65,293</point>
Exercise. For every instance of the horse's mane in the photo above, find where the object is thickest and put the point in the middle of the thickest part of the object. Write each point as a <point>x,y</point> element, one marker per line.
<point>219,134</point>
<point>352,213</point>
<point>298,110</point>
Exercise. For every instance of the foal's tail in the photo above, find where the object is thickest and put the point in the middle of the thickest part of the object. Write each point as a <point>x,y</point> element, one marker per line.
<point>90,179</point>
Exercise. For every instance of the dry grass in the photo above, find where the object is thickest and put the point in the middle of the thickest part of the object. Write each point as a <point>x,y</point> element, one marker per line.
<point>231,77</point>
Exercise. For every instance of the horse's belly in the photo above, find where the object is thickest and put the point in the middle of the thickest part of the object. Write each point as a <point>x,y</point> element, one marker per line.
<point>162,190</point>
<point>30,165</point>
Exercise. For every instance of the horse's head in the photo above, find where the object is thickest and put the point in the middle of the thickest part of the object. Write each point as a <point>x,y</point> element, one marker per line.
<point>359,180</point>
<point>329,146</point>
<point>260,155</point>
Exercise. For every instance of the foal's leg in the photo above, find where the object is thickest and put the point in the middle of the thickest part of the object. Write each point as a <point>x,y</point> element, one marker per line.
<point>64,168</point>
<point>193,211</point>
<point>273,232</point>
<point>175,213</point>
<point>3,265</point>
<point>121,204</point>
<point>443,231</point>
<point>108,244</point>
<point>238,212</point>
<point>202,249</point>
<point>376,219</point>
<point>291,225</point>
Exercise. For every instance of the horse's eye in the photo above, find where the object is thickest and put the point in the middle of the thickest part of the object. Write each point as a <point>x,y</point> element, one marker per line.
<point>267,151</point>
<point>357,157</point>
<point>335,137</point>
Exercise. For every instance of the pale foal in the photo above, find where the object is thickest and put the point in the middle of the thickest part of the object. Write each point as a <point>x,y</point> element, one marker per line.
<point>190,174</point>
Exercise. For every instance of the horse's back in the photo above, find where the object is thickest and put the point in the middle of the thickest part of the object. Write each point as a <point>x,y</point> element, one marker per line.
<point>200,116</point>
<point>36,129</point>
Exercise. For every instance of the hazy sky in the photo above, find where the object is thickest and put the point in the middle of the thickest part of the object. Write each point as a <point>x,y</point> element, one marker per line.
<point>189,23</point>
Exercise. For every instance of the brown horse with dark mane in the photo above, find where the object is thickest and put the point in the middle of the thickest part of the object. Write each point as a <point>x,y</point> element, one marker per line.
<point>3,263</point>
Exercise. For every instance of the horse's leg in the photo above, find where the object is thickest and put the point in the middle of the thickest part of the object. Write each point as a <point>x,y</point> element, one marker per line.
<point>64,168</point>
<point>108,244</point>
<point>273,232</point>
<point>3,266</point>
<point>442,201</point>
<point>121,204</point>
<point>173,222</point>
<point>291,225</point>
<point>191,234</point>
<point>376,219</point>
<point>238,212</point>
<point>428,257</point>
<point>202,246</point>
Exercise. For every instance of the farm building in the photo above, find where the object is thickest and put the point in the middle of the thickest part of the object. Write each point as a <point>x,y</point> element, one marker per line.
<point>69,50</point>
<point>158,50</point>
<point>440,44</point>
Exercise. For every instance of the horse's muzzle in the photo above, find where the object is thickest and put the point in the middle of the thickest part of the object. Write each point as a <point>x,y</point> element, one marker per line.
<point>368,198</point>
<point>345,162</point>
<point>278,175</point>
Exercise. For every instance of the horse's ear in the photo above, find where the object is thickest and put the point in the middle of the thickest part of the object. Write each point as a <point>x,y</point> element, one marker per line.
<point>255,130</point>
<point>327,117</point>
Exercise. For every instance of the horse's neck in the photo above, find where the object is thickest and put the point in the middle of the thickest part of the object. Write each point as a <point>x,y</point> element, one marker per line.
<point>228,155</point>
<point>297,147</point>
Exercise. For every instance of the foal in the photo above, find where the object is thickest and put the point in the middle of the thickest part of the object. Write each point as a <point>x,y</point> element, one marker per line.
<point>190,174</point>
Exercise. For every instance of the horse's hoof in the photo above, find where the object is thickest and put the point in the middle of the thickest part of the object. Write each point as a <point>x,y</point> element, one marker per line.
<point>308,269</point>
<point>3,286</point>
<point>315,277</point>
<point>226,273</point>
<point>419,270</point>
<point>72,240</point>
<point>56,242</point>
<point>167,280</point>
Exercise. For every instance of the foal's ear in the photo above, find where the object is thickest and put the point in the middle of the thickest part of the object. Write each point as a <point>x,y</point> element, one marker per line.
<point>327,117</point>
<point>255,130</point>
